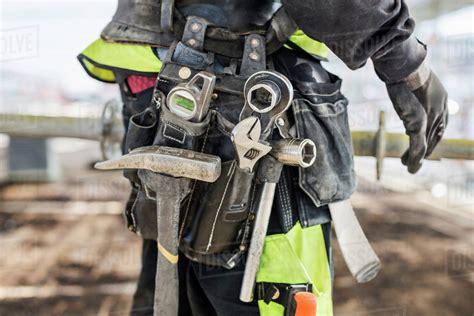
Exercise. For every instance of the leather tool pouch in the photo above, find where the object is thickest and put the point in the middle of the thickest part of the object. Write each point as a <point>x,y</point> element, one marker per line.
<point>168,130</point>
<point>215,222</point>
<point>220,221</point>
<point>320,114</point>
<point>173,131</point>
<point>141,132</point>
<point>216,217</point>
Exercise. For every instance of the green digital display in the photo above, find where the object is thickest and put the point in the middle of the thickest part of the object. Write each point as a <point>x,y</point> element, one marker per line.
<point>184,103</point>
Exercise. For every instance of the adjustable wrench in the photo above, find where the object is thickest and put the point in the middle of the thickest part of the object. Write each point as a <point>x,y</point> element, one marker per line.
<point>246,140</point>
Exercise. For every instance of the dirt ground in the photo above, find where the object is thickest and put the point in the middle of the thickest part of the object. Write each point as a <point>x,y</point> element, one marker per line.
<point>65,251</point>
<point>427,260</point>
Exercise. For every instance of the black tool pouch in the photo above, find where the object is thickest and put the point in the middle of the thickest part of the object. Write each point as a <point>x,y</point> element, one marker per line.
<point>175,132</point>
<point>215,222</point>
<point>216,217</point>
<point>141,132</point>
<point>320,112</point>
<point>169,130</point>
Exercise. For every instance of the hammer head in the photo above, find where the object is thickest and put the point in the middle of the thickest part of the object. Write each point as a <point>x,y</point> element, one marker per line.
<point>175,162</point>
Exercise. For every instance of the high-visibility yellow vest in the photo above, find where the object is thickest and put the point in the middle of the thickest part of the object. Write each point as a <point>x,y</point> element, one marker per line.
<point>101,58</point>
<point>297,257</point>
<point>309,45</point>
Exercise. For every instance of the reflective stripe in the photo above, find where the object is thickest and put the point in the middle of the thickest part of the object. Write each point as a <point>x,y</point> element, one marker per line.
<point>101,58</point>
<point>297,257</point>
<point>96,72</point>
<point>309,45</point>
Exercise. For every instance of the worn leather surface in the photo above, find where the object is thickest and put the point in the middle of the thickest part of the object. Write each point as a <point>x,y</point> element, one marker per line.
<point>236,15</point>
<point>319,111</point>
<point>219,223</point>
<point>230,21</point>
<point>331,180</point>
<point>137,21</point>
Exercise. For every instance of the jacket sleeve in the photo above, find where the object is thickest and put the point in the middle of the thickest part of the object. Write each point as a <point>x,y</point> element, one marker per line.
<point>356,30</point>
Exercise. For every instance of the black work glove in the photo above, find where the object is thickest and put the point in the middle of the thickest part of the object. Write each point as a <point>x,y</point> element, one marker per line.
<point>420,101</point>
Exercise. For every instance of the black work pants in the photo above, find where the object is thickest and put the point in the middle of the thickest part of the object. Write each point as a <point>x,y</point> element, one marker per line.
<point>203,290</point>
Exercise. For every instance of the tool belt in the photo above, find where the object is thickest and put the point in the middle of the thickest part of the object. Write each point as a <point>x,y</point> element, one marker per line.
<point>159,23</point>
<point>216,218</point>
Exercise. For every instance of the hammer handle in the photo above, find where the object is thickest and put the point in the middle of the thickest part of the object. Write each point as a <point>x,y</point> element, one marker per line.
<point>258,240</point>
<point>171,193</point>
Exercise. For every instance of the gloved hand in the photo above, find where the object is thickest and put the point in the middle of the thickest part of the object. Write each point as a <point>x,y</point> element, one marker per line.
<point>420,101</point>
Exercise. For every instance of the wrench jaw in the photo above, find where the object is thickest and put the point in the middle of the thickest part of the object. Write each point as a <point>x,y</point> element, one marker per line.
<point>245,137</point>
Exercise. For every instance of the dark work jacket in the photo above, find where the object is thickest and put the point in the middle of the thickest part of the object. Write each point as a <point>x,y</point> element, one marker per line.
<point>356,30</point>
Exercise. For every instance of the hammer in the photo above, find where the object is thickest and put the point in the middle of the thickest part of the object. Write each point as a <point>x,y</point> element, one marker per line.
<point>167,171</point>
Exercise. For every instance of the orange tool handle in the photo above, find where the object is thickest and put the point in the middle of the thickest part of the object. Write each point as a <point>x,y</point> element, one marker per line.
<point>305,304</point>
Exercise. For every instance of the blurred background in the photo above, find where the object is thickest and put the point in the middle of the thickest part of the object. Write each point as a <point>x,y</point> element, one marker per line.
<point>64,249</point>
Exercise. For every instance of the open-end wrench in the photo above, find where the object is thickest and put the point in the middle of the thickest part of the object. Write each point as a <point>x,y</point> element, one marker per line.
<point>268,94</point>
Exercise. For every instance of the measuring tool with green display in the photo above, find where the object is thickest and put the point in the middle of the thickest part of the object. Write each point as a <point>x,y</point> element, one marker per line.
<point>191,100</point>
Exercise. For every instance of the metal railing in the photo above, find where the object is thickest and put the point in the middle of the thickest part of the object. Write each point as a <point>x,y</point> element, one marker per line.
<point>108,130</point>
<point>381,145</point>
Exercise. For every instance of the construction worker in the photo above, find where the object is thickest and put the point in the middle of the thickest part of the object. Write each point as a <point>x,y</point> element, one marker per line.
<point>145,37</point>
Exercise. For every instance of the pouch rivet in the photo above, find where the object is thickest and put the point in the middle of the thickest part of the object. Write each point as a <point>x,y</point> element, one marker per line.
<point>195,27</point>
<point>254,56</point>
<point>184,73</point>
<point>215,96</point>
<point>242,248</point>
<point>255,43</point>
<point>281,121</point>
<point>192,42</point>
